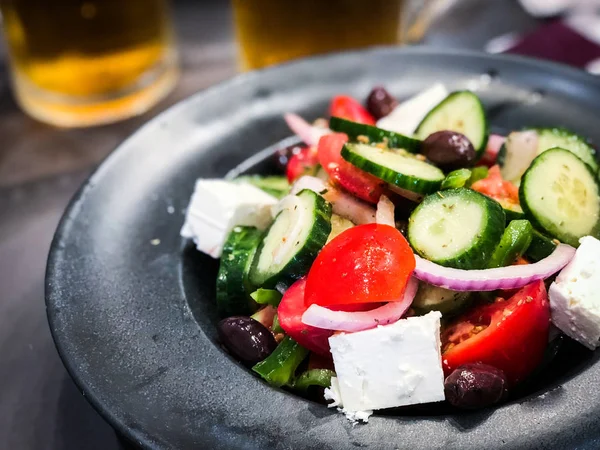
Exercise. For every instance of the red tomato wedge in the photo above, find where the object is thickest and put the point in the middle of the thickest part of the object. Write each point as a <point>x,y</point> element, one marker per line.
<point>364,264</point>
<point>289,314</point>
<point>302,163</point>
<point>359,183</point>
<point>497,188</point>
<point>348,108</point>
<point>510,335</point>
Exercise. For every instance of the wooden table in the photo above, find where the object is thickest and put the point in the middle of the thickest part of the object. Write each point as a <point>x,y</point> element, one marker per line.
<point>40,169</point>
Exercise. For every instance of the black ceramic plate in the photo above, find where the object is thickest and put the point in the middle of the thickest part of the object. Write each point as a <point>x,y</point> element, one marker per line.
<point>131,306</point>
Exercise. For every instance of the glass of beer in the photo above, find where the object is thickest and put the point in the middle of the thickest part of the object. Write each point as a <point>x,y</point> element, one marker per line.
<point>273,31</point>
<point>79,63</point>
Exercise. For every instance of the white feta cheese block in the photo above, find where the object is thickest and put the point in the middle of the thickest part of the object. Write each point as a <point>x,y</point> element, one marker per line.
<point>333,393</point>
<point>406,117</point>
<point>388,366</point>
<point>217,206</point>
<point>575,295</point>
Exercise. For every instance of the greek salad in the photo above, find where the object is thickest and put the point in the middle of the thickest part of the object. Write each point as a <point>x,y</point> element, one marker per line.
<point>407,255</point>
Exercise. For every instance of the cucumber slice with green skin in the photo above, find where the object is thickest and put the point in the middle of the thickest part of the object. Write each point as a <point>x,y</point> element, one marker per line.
<point>560,195</point>
<point>433,298</point>
<point>276,185</point>
<point>541,247</point>
<point>559,137</point>
<point>461,112</point>
<point>513,211</point>
<point>293,241</point>
<point>233,286</point>
<point>456,179</point>
<point>514,243</point>
<point>375,135</point>
<point>457,228</point>
<point>396,167</point>
<point>516,154</point>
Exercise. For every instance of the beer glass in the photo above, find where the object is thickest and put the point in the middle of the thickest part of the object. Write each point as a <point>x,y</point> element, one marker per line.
<point>273,31</point>
<point>79,63</point>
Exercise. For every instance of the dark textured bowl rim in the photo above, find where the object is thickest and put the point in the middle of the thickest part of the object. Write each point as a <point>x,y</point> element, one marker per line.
<point>119,422</point>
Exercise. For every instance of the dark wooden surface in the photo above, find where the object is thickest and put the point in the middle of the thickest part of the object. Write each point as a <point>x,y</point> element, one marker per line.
<point>40,169</point>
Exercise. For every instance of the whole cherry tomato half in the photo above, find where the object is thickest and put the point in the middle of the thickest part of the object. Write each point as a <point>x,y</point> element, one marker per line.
<point>362,184</point>
<point>364,264</point>
<point>350,109</point>
<point>304,162</point>
<point>510,335</point>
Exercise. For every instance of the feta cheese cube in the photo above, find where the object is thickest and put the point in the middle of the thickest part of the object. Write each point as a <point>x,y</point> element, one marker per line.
<point>575,295</point>
<point>406,117</point>
<point>392,365</point>
<point>217,206</point>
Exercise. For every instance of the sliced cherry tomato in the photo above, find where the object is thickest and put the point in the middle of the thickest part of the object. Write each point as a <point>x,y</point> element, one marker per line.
<point>302,163</point>
<point>348,108</point>
<point>495,187</point>
<point>289,313</point>
<point>510,335</point>
<point>316,361</point>
<point>366,263</point>
<point>364,185</point>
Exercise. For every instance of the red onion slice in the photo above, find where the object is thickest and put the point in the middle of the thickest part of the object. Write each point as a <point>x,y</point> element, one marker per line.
<point>320,317</point>
<point>510,277</point>
<point>309,134</point>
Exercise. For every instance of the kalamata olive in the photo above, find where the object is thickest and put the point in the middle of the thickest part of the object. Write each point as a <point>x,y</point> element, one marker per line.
<point>283,155</point>
<point>380,102</point>
<point>246,339</point>
<point>475,386</point>
<point>449,150</point>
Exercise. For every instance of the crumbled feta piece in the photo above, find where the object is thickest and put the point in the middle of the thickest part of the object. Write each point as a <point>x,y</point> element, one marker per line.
<point>575,297</point>
<point>217,206</point>
<point>388,366</point>
<point>406,117</point>
<point>333,393</point>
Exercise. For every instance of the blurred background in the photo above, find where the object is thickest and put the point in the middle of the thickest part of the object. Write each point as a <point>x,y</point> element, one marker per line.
<point>77,77</point>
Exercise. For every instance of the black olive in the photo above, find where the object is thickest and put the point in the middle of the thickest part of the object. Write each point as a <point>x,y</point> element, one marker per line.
<point>449,150</point>
<point>475,385</point>
<point>380,102</point>
<point>246,339</point>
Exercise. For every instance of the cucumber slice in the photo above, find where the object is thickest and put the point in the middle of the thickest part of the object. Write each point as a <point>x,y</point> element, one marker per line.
<point>233,286</point>
<point>515,241</point>
<point>541,247</point>
<point>513,211</point>
<point>560,195</point>
<point>375,135</point>
<point>559,137</point>
<point>456,179</point>
<point>293,241</point>
<point>433,298</point>
<point>461,112</point>
<point>457,228</point>
<point>276,185</point>
<point>396,167</point>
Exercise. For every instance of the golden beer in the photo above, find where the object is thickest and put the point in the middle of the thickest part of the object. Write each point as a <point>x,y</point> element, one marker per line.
<point>77,63</point>
<point>272,31</point>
